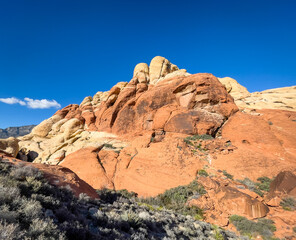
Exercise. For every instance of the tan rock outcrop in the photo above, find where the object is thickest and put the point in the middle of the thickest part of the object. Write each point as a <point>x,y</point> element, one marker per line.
<point>141,72</point>
<point>44,127</point>
<point>278,98</point>
<point>9,146</point>
<point>236,90</point>
<point>159,67</point>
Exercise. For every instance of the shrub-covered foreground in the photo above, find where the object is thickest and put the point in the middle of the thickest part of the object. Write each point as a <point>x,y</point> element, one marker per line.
<point>31,208</point>
<point>263,227</point>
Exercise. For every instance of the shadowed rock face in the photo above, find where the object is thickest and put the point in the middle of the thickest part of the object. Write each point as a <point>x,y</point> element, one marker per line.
<point>284,184</point>
<point>16,131</point>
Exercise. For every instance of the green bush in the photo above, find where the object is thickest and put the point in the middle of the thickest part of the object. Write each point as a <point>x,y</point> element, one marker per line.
<point>176,199</point>
<point>263,227</point>
<point>228,175</point>
<point>199,137</point>
<point>264,183</point>
<point>288,204</point>
<point>259,187</point>
<point>203,173</point>
<point>108,145</point>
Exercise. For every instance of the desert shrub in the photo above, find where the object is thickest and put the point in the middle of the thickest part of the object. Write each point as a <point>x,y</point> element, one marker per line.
<point>203,173</point>
<point>218,235</point>
<point>111,196</point>
<point>259,187</point>
<point>288,203</point>
<point>44,229</point>
<point>252,186</point>
<point>199,137</point>
<point>132,218</point>
<point>263,227</point>
<point>176,199</point>
<point>108,145</point>
<point>294,229</point>
<point>21,172</point>
<point>10,231</point>
<point>264,183</point>
<point>228,175</point>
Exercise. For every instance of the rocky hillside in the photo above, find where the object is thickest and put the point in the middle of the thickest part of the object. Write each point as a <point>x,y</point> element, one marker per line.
<point>16,131</point>
<point>165,128</point>
<point>33,207</point>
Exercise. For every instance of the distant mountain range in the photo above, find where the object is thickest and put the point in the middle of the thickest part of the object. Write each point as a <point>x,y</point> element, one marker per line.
<point>15,131</point>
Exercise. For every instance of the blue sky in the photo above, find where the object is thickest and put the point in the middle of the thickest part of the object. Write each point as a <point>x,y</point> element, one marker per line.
<point>65,50</point>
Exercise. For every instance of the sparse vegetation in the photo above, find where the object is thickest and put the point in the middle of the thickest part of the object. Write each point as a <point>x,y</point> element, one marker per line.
<point>263,227</point>
<point>176,199</point>
<point>31,208</point>
<point>264,183</point>
<point>198,137</point>
<point>260,187</point>
<point>195,142</point>
<point>228,175</point>
<point>288,204</point>
<point>108,145</point>
<point>203,173</point>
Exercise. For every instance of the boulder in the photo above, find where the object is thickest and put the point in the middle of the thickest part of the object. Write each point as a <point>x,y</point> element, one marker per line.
<point>9,146</point>
<point>70,127</point>
<point>87,165</point>
<point>236,90</point>
<point>284,184</point>
<point>141,72</point>
<point>159,67</point>
<point>44,127</point>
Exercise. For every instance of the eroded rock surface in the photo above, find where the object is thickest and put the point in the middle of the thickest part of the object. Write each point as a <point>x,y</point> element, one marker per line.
<point>224,198</point>
<point>278,98</point>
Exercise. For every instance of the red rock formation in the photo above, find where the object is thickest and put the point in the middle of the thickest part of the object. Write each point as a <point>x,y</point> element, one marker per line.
<point>196,104</point>
<point>283,185</point>
<point>224,198</point>
<point>264,141</point>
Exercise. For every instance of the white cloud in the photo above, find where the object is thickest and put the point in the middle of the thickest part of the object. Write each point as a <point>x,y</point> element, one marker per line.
<point>42,104</point>
<point>32,103</point>
<point>12,100</point>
